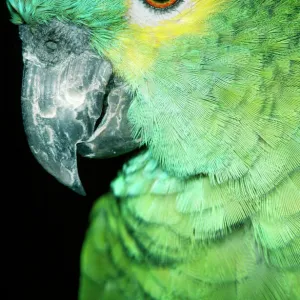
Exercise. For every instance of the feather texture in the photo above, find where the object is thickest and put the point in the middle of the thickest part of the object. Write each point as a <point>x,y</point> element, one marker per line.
<point>211,210</point>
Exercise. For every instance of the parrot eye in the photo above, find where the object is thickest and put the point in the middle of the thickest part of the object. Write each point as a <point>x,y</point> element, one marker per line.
<point>161,4</point>
<point>152,12</point>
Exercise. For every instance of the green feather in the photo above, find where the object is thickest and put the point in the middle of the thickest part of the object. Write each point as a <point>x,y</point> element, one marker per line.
<point>211,210</point>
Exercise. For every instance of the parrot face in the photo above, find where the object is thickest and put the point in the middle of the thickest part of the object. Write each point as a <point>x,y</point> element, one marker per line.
<point>73,55</point>
<point>67,88</point>
<point>194,85</point>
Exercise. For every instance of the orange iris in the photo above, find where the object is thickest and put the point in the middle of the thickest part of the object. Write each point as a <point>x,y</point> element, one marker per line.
<point>161,4</point>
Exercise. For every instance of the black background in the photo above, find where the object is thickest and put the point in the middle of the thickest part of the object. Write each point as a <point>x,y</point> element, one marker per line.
<point>43,222</point>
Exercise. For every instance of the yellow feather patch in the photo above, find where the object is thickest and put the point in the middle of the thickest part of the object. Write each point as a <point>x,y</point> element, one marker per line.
<point>136,47</point>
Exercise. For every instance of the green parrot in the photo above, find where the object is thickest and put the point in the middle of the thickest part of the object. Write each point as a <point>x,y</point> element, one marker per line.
<point>208,92</point>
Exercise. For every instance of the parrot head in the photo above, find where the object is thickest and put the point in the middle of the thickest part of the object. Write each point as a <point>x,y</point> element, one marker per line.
<point>189,79</point>
<point>84,63</point>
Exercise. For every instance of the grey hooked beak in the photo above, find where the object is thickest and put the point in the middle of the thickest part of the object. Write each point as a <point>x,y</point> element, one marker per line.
<point>63,96</point>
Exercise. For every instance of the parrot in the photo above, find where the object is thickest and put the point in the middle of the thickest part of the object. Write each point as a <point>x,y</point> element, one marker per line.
<point>206,95</point>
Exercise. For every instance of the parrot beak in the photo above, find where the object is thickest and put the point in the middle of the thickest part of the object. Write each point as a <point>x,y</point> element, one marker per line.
<point>63,100</point>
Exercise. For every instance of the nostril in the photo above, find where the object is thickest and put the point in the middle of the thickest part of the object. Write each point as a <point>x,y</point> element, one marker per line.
<point>51,46</point>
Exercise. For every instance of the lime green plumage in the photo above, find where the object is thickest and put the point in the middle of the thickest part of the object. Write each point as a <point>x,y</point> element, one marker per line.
<point>168,239</point>
<point>211,209</point>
